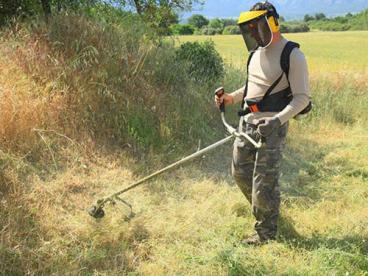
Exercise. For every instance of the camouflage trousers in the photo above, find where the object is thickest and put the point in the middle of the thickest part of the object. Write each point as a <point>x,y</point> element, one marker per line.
<point>256,172</point>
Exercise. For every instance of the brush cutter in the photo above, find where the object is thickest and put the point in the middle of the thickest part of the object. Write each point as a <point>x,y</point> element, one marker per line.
<point>97,211</point>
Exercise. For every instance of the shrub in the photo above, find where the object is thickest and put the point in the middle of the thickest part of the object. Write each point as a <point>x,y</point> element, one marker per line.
<point>284,28</point>
<point>229,22</point>
<point>231,30</point>
<point>205,65</point>
<point>182,29</point>
<point>329,25</point>
<point>210,31</point>
<point>341,19</point>
<point>297,27</point>
<point>198,32</point>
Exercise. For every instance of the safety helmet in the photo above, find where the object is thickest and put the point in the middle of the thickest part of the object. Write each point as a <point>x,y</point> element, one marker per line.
<point>258,25</point>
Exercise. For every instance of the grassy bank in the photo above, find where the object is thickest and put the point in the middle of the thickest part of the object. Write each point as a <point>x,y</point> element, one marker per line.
<point>69,135</point>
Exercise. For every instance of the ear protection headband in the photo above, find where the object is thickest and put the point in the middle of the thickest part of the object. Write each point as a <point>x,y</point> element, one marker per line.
<point>272,15</point>
<point>274,23</point>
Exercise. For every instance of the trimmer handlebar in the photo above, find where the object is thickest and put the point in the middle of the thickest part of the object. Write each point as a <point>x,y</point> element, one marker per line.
<point>219,93</point>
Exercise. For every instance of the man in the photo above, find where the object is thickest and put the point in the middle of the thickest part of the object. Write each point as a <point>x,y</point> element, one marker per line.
<point>276,90</point>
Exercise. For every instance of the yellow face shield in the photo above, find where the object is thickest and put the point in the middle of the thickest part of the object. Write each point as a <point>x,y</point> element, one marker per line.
<point>256,29</point>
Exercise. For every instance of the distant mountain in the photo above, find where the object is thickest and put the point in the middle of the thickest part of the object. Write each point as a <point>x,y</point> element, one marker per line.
<point>290,9</point>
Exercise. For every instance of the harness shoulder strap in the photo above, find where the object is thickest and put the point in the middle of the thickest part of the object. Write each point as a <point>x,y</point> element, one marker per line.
<point>246,84</point>
<point>269,90</point>
<point>285,64</point>
<point>285,57</point>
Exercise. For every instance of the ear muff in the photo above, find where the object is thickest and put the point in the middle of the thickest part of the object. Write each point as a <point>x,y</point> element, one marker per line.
<point>274,24</point>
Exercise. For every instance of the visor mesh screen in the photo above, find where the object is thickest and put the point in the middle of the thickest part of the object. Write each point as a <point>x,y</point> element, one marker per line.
<point>256,33</point>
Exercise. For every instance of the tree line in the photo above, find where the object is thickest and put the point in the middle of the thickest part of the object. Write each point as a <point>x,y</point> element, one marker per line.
<point>200,25</point>
<point>347,22</point>
<point>159,14</point>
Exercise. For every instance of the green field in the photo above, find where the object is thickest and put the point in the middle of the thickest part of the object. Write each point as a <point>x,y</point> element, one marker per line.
<point>334,52</point>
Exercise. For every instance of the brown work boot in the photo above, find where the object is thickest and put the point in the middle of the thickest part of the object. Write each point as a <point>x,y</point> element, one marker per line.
<point>255,240</point>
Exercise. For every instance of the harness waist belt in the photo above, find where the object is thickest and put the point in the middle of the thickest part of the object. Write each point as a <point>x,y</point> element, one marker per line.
<point>273,103</point>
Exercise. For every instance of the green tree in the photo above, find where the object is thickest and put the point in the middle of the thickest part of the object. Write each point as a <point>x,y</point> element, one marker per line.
<point>229,22</point>
<point>145,6</point>
<point>198,21</point>
<point>160,14</point>
<point>13,8</point>
<point>320,16</point>
<point>216,24</point>
<point>308,18</point>
<point>182,29</point>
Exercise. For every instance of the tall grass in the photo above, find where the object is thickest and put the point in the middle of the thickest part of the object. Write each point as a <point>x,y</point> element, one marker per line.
<point>112,83</point>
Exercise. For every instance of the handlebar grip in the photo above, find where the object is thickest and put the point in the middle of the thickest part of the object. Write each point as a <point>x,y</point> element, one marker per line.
<point>219,93</point>
<point>222,107</point>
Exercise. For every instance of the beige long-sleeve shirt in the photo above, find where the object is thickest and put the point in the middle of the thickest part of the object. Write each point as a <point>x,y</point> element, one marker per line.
<point>265,69</point>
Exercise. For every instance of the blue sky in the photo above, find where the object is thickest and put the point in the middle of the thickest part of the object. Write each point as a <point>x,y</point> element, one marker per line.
<point>290,9</point>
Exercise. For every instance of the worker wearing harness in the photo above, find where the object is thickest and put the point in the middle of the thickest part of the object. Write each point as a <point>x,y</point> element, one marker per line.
<point>276,91</point>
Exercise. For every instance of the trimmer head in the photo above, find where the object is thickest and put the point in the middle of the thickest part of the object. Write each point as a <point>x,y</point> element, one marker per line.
<point>96,212</point>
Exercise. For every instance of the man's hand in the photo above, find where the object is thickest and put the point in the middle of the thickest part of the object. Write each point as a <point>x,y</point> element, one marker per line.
<point>268,125</point>
<point>226,98</point>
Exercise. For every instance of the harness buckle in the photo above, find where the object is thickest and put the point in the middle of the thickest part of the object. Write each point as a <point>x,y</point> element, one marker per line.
<point>253,108</point>
<point>250,109</point>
